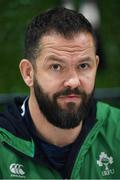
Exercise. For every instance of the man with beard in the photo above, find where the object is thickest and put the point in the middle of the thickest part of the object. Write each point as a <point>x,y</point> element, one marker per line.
<point>59,131</point>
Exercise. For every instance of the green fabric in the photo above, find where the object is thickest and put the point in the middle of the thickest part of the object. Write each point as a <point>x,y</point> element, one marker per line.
<point>17,155</point>
<point>26,147</point>
<point>98,157</point>
<point>104,141</point>
<point>23,167</point>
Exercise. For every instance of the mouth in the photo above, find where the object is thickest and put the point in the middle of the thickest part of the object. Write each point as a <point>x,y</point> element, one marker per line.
<point>70,98</point>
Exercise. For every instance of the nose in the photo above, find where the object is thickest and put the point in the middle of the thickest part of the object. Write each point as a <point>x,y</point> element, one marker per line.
<point>72,81</point>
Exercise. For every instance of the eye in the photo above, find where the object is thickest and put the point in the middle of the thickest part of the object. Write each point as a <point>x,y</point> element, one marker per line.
<point>56,67</point>
<point>84,66</point>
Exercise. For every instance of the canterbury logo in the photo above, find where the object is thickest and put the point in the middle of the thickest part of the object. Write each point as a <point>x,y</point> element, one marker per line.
<point>17,169</point>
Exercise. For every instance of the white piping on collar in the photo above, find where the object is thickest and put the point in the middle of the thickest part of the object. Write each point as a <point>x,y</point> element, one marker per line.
<point>23,107</point>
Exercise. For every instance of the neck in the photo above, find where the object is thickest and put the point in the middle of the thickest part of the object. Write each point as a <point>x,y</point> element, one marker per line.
<point>47,131</point>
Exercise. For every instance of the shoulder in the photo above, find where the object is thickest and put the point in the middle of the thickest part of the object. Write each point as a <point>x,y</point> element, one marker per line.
<point>12,121</point>
<point>109,117</point>
<point>106,111</point>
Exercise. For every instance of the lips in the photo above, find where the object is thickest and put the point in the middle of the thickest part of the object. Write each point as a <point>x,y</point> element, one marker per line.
<point>70,98</point>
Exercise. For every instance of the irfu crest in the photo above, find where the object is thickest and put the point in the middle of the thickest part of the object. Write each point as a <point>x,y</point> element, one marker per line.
<point>105,161</point>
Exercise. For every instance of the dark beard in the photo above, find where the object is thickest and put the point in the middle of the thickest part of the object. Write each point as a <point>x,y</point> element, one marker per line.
<point>67,118</point>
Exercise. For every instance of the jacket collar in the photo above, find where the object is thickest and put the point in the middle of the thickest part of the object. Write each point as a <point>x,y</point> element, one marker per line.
<point>21,145</point>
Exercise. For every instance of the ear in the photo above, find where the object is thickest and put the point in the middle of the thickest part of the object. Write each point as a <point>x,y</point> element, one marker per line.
<point>97,61</point>
<point>27,71</point>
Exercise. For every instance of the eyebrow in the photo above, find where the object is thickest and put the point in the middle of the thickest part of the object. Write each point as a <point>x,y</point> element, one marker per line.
<point>58,59</point>
<point>54,58</point>
<point>85,59</point>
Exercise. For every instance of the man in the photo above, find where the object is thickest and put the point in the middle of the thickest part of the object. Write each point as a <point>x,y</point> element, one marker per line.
<point>59,131</point>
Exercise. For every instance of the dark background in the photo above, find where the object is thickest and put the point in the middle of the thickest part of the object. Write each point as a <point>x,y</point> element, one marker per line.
<point>15,15</point>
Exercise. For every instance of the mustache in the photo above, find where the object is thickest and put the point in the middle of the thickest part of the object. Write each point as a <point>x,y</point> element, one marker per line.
<point>68,91</point>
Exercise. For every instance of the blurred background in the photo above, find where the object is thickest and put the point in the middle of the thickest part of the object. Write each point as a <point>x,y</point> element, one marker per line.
<point>16,14</point>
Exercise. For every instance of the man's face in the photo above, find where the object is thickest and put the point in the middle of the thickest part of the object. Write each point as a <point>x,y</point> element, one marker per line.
<point>64,78</point>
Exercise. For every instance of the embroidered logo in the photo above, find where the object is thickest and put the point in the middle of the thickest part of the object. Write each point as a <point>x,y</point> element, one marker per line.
<point>17,170</point>
<point>105,161</point>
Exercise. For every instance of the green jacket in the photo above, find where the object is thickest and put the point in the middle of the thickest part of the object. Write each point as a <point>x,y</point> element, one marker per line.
<point>98,157</point>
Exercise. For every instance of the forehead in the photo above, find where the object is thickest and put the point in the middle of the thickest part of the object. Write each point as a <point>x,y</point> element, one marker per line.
<point>78,42</point>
